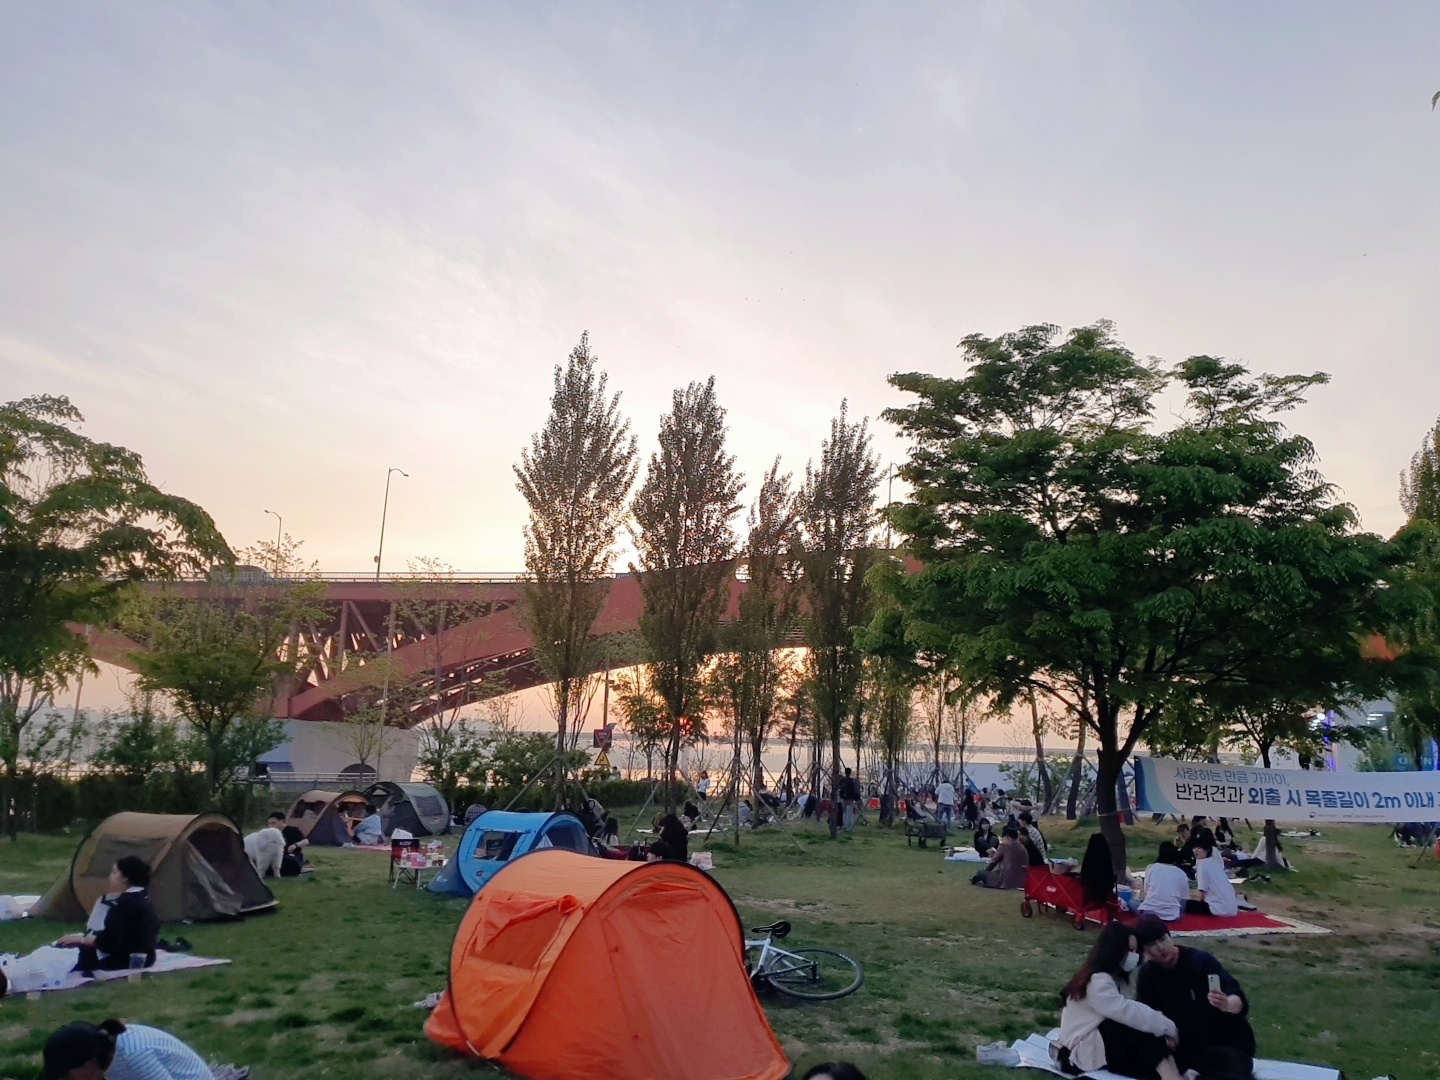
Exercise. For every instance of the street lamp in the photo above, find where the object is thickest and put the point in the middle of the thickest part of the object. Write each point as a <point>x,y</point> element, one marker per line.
<point>384,511</point>
<point>279,523</point>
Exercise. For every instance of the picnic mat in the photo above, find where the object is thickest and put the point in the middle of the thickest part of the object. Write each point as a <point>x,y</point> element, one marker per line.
<point>164,962</point>
<point>1035,1054</point>
<point>965,854</point>
<point>368,847</point>
<point>1246,924</point>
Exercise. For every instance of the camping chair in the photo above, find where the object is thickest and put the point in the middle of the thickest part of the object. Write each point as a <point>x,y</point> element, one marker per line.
<point>398,871</point>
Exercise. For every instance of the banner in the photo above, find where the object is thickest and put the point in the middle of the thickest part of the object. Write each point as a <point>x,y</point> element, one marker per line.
<point>1187,788</point>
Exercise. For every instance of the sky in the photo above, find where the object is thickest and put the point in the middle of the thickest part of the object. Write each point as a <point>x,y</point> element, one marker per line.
<point>278,248</point>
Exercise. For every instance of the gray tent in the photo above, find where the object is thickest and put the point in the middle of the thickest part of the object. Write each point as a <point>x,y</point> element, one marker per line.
<point>417,808</point>
<point>198,868</point>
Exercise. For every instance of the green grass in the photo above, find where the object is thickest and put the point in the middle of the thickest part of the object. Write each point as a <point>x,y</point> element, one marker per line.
<point>324,986</point>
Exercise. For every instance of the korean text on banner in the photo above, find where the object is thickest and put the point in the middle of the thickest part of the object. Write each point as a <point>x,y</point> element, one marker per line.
<point>1187,788</point>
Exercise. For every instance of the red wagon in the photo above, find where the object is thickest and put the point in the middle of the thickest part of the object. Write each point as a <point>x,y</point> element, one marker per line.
<point>1064,896</point>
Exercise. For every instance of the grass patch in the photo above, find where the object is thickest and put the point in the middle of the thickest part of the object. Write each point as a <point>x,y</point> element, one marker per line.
<point>318,990</point>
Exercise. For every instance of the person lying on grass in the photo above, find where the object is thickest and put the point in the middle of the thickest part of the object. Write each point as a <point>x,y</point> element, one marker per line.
<point>130,927</point>
<point>1206,1002</point>
<point>116,1051</point>
<point>1101,1028</point>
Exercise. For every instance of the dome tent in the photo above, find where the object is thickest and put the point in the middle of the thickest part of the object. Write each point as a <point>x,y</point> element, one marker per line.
<point>553,975</point>
<point>498,837</point>
<point>198,868</point>
<point>417,808</point>
<point>318,814</point>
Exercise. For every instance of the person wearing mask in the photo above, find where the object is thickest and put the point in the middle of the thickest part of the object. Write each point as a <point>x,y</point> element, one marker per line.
<point>117,1051</point>
<point>1101,1028</point>
<point>131,925</point>
<point>1007,866</point>
<point>985,839</point>
<point>1217,895</point>
<point>1167,889</point>
<point>1216,1039</point>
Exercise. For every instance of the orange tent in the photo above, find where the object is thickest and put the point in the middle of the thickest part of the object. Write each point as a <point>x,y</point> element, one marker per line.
<point>569,967</point>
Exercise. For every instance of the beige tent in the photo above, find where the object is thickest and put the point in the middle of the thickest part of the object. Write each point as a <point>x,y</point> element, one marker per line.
<point>198,868</point>
<point>320,815</point>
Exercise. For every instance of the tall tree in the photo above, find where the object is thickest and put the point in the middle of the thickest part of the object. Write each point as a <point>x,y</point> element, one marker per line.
<point>685,545</point>
<point>1072,549</point>
<point>576,477</point>
<point>837,522</point>
<point>220,659</point>
<point>80,523</point>
<point>1420,483</point>
<point>751,671</point>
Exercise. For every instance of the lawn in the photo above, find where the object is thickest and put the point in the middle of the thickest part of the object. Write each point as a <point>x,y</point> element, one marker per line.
<point>324,986</point>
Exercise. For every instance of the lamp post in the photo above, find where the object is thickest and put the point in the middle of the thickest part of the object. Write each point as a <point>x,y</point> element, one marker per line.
<point>384,511</point>
<point>279,523</point>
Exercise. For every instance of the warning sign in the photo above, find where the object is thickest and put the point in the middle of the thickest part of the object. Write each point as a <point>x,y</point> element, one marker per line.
<point>603,761</point>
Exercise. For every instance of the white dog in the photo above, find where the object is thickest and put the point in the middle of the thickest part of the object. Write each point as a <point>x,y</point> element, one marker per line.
<point>265,849</point>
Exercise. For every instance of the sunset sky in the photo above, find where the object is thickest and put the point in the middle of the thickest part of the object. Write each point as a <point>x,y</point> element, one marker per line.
<point>278,248</point>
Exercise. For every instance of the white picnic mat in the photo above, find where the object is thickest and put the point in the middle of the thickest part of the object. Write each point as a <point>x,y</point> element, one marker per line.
<point>1034,1053</point>
<point>965,854</point>
<point>164,962</point>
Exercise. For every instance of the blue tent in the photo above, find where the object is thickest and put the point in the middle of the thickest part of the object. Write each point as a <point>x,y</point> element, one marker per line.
<point>499,837</point>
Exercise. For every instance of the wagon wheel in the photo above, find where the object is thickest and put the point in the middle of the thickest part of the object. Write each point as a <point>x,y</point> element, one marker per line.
<point>1026,909</point>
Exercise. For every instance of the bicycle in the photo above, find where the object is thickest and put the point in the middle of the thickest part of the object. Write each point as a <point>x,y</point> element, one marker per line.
<point>806,973</point>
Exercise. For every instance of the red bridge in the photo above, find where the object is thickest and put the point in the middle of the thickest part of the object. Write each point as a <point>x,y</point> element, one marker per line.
<point>366,619</point>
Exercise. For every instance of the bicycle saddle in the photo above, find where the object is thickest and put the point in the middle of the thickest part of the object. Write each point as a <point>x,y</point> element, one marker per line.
<point>776,930</point>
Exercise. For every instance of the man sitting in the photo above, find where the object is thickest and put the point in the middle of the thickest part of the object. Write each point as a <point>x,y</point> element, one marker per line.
<point>1007,866</point>
<point>370,831</point>
<point>1217,895</point>
<point>1215,1035</point>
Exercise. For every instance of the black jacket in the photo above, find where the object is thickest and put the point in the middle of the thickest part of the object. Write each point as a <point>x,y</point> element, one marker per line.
<point>131,926</point>
<point>1181,992</point>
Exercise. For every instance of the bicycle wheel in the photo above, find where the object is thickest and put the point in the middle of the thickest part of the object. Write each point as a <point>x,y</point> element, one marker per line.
<point>815,974</point>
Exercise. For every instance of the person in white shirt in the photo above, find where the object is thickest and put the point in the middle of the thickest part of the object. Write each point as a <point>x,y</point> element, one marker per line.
<point>1101,1028</point>
<point>1167,889</point>
<point>116,1051</point>
<point>944,801</point>
<point>1217,895</point>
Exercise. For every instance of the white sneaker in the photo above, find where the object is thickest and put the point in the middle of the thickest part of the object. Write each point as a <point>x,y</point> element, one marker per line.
<point>997,1053</point>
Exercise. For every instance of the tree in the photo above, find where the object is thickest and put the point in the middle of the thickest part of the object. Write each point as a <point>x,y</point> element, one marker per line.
<point>685,545</point>
<point>219,659</point>
<point>1420,483</point>
<point>141,742</point>
<point>576,477</point>
<point>642,710</point>
<point>751,672</point>
<point>1072,549</point>
<point>837,519</point>
<point>80,523</point>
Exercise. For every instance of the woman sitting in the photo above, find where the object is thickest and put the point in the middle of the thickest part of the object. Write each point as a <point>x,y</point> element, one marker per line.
<point>1100,1028</point>
<point>1097,872</point>
<point>82,1051</point>
<point>985,839</point>
<point>1167,889</point>
<point>130,926</point>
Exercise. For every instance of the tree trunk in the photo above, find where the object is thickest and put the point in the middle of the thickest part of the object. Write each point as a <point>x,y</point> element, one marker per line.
<point>1106,788</point>
<point>1077,769</point>
<point>1272,834</point>
<point>562,723</point>
<point>836,810</point>
<point>1047,790</point>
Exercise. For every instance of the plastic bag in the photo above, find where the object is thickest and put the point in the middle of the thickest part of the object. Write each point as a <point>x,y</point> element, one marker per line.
<point>43,969</point>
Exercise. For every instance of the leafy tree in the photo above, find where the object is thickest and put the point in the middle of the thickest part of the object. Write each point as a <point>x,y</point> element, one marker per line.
<point>80,523</point>
<point>1420,483</point>
<point>141,742</point>
<point>280,558</point>
<point>220,659</point>
<point>1073,550</point>
<point>751,672</point>
<point>685,545</point>
<point>643,713</point>
<point>576,477</point>
<point>837,520</point>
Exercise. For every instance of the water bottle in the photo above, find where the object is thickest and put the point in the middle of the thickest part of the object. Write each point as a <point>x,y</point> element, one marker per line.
<point>137,967</point>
